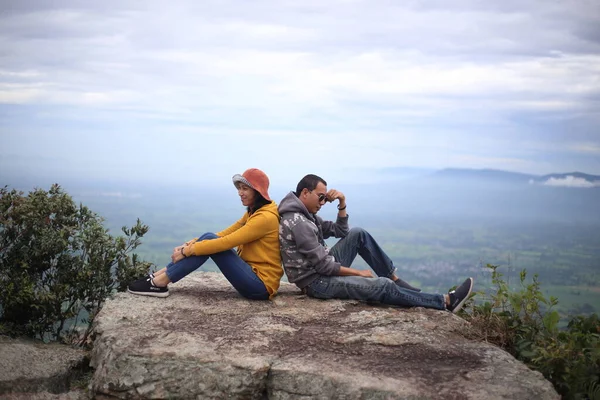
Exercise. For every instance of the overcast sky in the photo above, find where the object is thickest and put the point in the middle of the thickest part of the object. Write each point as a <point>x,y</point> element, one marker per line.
<point>194,91</point>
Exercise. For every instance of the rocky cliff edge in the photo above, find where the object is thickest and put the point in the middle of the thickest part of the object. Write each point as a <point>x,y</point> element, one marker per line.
<point>206,341</point>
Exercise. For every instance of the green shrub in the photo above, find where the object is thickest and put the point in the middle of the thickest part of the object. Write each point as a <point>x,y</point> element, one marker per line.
<point>523,323</point>
<point>58,264</point>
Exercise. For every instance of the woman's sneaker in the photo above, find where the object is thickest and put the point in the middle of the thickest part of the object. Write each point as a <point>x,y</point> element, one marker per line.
<point>460,295</point>
<point>145,287</point>
<point>147,275</point>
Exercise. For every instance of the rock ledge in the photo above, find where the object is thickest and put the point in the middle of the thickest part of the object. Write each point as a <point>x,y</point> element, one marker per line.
<point>205,341</point>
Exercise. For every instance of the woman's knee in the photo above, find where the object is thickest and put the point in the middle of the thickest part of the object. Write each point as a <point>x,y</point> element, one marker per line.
<point>208,236</point>
<point>256,296</point>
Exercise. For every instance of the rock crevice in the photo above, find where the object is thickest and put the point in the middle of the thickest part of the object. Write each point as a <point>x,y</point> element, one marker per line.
<point>32,369</point>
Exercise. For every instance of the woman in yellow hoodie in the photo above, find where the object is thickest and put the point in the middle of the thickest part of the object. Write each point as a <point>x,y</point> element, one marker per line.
<point>254,269</point>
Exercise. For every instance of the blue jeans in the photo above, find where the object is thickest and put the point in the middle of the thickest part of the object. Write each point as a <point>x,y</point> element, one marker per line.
<point>382,289</point>
<point>236,270</point>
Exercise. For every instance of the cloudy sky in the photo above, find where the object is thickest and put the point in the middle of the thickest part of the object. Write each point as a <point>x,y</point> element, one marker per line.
<point>191,90</point>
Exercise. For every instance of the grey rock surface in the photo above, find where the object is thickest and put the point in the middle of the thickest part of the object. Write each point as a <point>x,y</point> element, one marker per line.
<point>206,341</point>
<point>71,395</point>
<point>28,366</point>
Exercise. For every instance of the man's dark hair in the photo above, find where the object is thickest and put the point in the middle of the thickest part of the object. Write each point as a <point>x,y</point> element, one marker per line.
<point>259,201</point>
<point>309,182</point>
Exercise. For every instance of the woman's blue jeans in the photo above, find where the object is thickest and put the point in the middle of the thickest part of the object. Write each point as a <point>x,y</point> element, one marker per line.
<point>382,289</point>
<point>236,270</point>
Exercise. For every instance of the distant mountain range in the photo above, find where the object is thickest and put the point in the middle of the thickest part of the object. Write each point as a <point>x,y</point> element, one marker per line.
<point>567,179</point>
<point>487,174</point>
<point>570,197</point>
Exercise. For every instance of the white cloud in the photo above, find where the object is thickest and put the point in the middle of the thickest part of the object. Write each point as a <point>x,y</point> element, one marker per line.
<point>378,84</point>
<point>298,62</point>
<point>589,148</point>
<point>571,181</point>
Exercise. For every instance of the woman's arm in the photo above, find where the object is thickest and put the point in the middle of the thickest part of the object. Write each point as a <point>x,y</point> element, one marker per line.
<point>236,225</point>
<point>255,228</point>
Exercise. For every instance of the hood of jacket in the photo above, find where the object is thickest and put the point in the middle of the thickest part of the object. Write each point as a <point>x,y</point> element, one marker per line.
<point>291,203</point>
<point>268,208</point>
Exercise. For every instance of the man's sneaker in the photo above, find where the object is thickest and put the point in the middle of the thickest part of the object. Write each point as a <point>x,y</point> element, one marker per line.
<point>406,285</point>
<point>460,295</point>
<point>145,287</point>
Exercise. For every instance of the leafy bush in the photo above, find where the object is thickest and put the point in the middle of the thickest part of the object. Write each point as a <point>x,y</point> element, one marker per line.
<point>58,264</point>
<point>523,323</point>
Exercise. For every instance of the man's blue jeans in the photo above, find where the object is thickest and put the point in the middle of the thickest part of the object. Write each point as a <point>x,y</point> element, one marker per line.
<point>382,289</point>
<point>236,270</point>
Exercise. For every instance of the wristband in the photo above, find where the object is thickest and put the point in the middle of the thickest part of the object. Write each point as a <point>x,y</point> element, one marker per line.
<point>341,209</point>
<point>182,252</point>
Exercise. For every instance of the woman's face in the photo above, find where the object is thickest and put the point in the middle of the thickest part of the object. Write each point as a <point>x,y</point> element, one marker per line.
<point>247,194</point>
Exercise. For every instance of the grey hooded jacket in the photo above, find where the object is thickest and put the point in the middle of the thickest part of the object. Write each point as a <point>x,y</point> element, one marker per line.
<point>304,253</point>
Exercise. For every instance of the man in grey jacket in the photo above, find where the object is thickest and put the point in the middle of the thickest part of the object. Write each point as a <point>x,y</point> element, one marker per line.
<point>326,273</point>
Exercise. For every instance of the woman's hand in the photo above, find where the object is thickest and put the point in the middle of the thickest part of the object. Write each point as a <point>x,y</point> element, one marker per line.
<point>177,254</point>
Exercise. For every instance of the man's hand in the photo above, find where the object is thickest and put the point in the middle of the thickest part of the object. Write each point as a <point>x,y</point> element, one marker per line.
<point>345,271</point>
<point>365,273</point>
<point>333,194</point>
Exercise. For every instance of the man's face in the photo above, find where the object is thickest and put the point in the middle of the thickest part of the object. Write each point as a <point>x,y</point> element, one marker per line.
<point>314,200</point>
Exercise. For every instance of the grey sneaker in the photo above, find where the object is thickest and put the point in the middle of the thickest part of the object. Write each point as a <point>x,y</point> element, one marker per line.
<point>406,285</point>
<point>145,287</point>
<point>460,295</point>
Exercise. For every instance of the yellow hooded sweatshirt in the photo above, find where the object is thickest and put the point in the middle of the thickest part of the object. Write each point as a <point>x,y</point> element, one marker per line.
<point>256,237</point>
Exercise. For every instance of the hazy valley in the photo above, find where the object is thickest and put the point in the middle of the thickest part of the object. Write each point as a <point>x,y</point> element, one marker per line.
<point>438,227</point>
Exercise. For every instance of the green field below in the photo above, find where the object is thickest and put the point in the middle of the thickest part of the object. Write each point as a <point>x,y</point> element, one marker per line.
<point>433,254</point>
